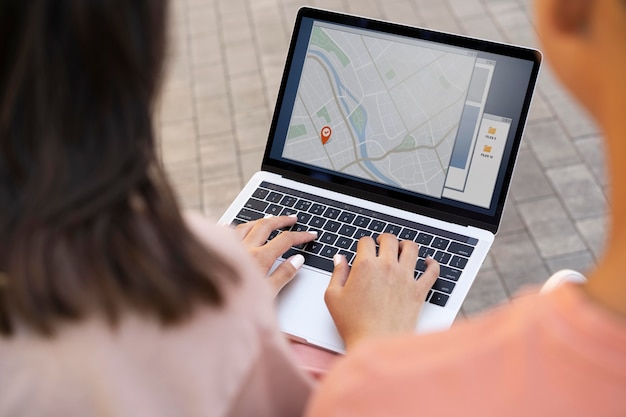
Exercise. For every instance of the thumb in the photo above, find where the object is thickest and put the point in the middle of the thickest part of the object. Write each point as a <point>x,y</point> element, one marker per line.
<point>428,278</point>
<point>285,272</point>
<point>340,273</point>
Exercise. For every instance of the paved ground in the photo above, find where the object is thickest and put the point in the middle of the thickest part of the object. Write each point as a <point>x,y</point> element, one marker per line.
<point>225,65</point>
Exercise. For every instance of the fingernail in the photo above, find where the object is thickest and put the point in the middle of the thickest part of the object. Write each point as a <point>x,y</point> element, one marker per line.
<point>267,216</point>
<point>337,259</point>
<point>293,215</point>
<point>297,261</point>
<point>313,233</point>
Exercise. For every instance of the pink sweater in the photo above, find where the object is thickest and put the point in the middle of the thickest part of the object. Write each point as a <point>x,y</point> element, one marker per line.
<point>555,354</point>
<point>231,361</point>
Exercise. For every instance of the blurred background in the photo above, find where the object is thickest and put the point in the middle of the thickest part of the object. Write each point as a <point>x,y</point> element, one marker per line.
<point>225,65</point>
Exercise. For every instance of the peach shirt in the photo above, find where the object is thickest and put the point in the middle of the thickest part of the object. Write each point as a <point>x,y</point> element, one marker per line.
<point>555,354</point>
<point>231,361</point>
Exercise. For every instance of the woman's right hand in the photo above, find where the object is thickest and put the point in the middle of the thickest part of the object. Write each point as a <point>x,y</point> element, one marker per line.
<point>378,296</point>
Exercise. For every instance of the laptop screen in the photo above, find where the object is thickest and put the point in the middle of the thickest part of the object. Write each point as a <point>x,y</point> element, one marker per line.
<point>431,118</point>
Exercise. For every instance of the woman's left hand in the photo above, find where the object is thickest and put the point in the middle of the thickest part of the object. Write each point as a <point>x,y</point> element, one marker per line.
<point>254,235</point>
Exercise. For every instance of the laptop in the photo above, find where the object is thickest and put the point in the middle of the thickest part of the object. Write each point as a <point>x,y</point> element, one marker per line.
<point>380,127</point>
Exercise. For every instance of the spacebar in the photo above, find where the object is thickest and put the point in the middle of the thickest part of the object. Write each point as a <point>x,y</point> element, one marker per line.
<point>312,260</point>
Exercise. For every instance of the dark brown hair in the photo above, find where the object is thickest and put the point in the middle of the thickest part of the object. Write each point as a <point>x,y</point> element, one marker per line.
<point>88,222</point>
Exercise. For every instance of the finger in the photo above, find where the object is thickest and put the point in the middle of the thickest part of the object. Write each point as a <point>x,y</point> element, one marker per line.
<point>428,278</point>
<point>365,247</point>
<point>261,231</point>
<point>388,246</point>
<point>243,229</point>
<point>409,251</point>
<point>285,272</point>
<point>340,272</point>
<point>281,243</point>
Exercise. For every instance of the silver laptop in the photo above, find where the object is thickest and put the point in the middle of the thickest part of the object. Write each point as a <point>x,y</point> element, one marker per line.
<point>380,127</point>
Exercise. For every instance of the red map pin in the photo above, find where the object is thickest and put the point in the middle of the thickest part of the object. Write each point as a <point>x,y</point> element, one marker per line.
<point>325,133</point>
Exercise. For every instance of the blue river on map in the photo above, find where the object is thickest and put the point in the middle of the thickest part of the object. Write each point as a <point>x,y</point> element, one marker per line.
<point>359,132</point>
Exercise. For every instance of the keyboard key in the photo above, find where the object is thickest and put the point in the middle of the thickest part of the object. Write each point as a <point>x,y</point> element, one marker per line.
<point>354,246</point>
<point>424,239</point>
<point>328,251</point>
<point>377,226</point>
<point>318,262</point>
<point>317,221</point>
<point>438,299</point>
<point>288,201</point>
<point>460,249</point>
<point>449,273</point>
<point>332,213</point>
<point>393,229</point>
<point>407,234</point>
<point>313,247</point>
<point>346,217</point>
<point>418,274</point>
<point>444,286</point>
<point>458,262</point>
<point>440,243</point>
<point>274,197</point>
<point>347,230</point>
<point>442,257</point>
<point>257,205</point>
<point>288,211</point>
<point>425,251</point>
<point>328,238</point>
<point>304,217</point>
<point>420,265</point>
<point>332,226</point>
<point>273,234</point>
<point>237,222</point>
<point>361,221</point>
<point>303,205</point>
<point>361,233</point>
<point>344,242</point>
<point>249,215</point>
<point>317,209</point>
<point>274,210</point>
<point>260,193</point>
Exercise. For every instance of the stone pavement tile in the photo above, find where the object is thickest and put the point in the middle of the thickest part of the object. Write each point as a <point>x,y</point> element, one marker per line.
<point>247,93</point>
<point>518,262</point>
<point>582,196</point>
<point>219,158</point>
<point>498,7</point>
<point>213,115</point>
<point>511,221</point>
<point>252,129</point>
<point>250,163</point>
<point>236,28</point>
<point>201,18</point>
<point>481,27</point>
<point>591,149</point>
<point>466,9</point>
<point>218,196</point>
<point>550,144</point>
<point>367,8</point>
<point>539,109</point>
<point>573,117</point>
<point>184,177</point>
<point>241,59</point>
<point>438,16</point>
<point>402,11</point>
<point>176,104</point>
<point>209,81</point>
<point>178,142</point>
<point>594,231</point>
<point>551,229</point>
<point>206,49</point>
<point>580,261</point>
<point>486,292</point>
<point>529,180</point>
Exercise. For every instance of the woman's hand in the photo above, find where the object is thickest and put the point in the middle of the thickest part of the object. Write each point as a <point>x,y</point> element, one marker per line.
<point>254,236</point>
<point>379,295</point>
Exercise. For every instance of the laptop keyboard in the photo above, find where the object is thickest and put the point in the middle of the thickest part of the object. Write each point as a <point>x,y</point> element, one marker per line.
<point>339,226</point>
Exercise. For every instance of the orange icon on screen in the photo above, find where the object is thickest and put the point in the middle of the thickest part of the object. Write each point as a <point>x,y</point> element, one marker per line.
<point>492,131</point>
<point>325,134</point>
<point>487,148</point>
